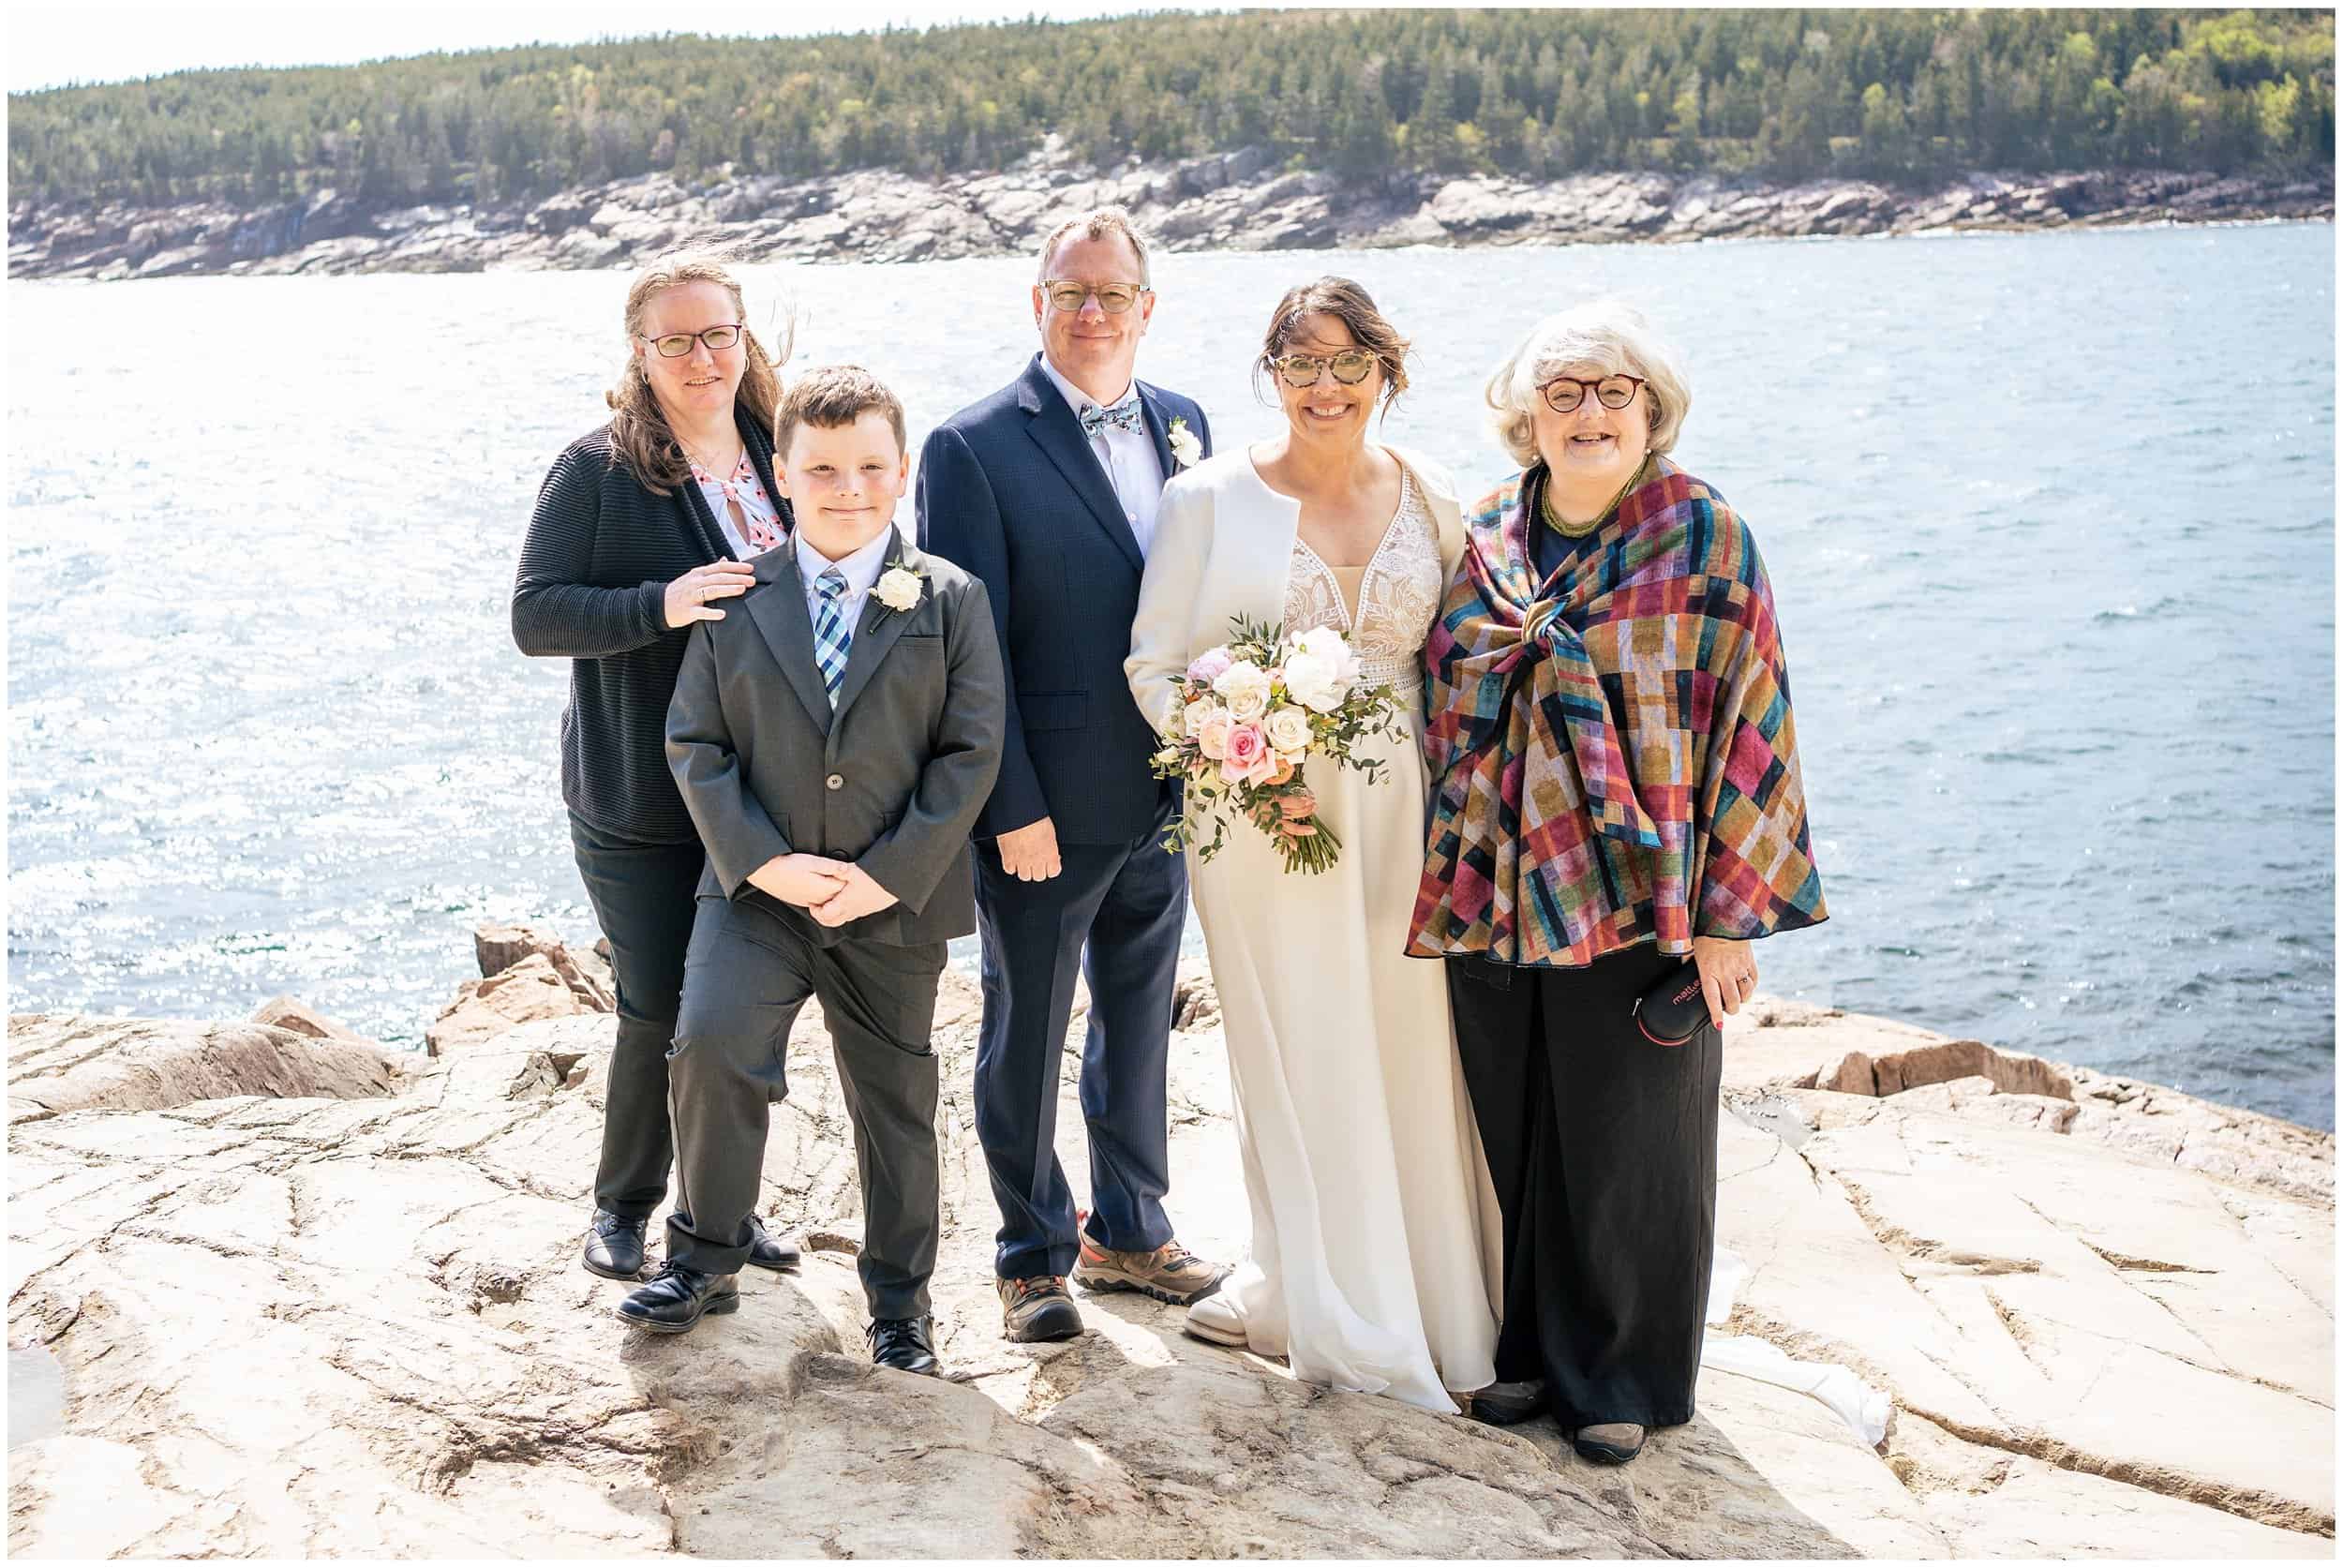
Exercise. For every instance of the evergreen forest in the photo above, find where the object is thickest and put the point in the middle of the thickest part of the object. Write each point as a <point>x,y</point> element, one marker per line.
<point>1900,95</point>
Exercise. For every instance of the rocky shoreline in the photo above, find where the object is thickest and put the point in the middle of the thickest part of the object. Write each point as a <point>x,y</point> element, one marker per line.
<point>285,1293</point>
<point>1231,202</point>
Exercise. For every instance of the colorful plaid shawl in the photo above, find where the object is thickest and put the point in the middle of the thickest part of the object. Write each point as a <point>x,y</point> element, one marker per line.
<point>1613,760</point>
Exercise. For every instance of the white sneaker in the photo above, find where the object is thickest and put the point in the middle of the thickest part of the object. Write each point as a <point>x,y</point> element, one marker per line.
<point>1215,1320</point>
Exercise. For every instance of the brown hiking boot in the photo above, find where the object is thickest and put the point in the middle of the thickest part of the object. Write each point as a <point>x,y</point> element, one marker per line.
<point>1608,1442</point>
<point>1171,1273</point>
<point>1037,1308</point>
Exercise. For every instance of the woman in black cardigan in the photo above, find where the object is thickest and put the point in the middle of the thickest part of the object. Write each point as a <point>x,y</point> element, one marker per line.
<point>641,529</point>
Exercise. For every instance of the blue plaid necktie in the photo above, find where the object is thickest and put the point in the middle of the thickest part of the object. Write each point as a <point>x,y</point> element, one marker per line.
<point>831,636</point>
<point>1122,416</point>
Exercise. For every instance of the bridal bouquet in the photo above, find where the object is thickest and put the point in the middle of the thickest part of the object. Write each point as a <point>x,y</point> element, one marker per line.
<point>1256,706</point>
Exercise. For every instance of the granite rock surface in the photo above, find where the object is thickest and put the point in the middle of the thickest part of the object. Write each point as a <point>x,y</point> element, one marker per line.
<point>300,1316</point>
<point>1236,201</point>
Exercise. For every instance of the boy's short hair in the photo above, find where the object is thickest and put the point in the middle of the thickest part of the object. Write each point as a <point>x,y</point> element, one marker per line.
<point>830,395</point>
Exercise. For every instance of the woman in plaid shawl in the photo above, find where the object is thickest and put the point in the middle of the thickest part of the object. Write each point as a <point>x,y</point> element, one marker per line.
<point>1615,789</point>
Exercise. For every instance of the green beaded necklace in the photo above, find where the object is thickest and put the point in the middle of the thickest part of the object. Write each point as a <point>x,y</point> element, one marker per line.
<point>1553,519</point>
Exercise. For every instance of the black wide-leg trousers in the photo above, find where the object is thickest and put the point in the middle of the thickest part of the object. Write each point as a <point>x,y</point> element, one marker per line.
<point>748,977</point>
<point>643,896</point>
<point>1602,1147</point>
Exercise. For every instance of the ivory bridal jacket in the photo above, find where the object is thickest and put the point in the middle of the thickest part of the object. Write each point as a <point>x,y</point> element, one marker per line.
<point>1376,1233</point>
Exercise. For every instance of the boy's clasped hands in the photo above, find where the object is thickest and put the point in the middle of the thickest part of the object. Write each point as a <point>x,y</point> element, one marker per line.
<point>833,891</point>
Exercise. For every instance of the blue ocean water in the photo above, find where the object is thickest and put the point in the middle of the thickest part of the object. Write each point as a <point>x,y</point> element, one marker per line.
<point>2050,521</point>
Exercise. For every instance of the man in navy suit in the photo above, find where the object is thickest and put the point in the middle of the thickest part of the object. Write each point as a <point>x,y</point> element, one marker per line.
<point>1047,491</point>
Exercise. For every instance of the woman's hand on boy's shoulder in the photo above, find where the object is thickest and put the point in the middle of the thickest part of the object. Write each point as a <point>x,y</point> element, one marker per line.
<point>690,597</point>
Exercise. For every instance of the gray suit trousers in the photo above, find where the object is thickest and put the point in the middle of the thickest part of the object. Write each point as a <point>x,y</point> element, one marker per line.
<point>746,977</point>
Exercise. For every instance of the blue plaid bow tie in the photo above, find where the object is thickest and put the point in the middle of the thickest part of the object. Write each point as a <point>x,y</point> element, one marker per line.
<point>1122,416</point>
<point>833,637</point>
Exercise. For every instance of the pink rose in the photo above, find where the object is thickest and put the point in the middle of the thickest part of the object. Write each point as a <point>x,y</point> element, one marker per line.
<point>1212,736</point>
<point>1209,664</point>
<point>1248,757</point>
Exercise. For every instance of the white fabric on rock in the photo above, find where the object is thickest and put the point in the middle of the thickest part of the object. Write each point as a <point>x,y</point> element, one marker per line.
<point>1374,1259</point>
<point>1863,1407</point>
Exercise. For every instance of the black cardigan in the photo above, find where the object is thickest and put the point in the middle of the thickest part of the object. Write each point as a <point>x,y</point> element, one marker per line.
<point>592,588</point>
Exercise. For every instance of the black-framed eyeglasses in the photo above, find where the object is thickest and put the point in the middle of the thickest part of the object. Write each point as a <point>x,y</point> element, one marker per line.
<point>1302,370</point>
<point>675,345</point>
<point>1066,296</point>
<point>1563,394</point>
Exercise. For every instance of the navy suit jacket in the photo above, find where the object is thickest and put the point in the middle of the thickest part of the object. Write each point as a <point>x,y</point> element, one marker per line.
<point>1011,491</point>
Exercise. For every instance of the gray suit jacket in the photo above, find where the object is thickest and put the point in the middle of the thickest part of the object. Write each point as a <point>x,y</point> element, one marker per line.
<point>892,780</point>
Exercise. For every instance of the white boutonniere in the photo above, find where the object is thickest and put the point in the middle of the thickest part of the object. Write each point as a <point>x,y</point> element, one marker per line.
<point>1185,448</point>
<point>899,588</point>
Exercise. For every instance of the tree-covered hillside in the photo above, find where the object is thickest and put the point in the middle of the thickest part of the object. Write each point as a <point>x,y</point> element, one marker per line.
<point>1896,95</point>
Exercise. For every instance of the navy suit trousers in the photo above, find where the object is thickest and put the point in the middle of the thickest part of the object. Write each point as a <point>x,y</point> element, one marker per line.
<point>1115,913</point>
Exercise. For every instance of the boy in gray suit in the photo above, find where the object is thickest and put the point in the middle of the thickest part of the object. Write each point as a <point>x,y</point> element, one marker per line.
<point>834,733</point>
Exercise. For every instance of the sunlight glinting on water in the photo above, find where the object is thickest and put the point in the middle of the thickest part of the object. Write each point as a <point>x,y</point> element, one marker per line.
<point>2049,519</point>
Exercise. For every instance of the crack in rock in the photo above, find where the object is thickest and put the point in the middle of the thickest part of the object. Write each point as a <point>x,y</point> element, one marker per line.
<point>2245,1502</point>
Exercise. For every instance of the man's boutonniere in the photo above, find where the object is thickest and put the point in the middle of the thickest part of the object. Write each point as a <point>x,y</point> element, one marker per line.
<point>1185,448</point>
<point>899,588</point>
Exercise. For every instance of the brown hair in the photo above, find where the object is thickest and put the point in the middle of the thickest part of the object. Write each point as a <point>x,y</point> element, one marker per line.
<point>830,395</point>
<point>1354,307</point>
<point>1096,224</point>
<point>638,426</point>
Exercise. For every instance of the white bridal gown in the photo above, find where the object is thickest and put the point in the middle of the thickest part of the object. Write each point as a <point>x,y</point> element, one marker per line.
<point>1374,1261</point>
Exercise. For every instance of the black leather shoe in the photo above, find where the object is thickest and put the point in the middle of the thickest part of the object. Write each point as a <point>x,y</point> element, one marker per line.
<point>678,1297</point>
<point>1506,1404</point>
<point>615,1250</point>
<point>906,1344</point>
<point>767,1251</point>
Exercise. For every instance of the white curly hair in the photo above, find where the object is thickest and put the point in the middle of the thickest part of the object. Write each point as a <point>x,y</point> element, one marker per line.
<point>1609,334</point>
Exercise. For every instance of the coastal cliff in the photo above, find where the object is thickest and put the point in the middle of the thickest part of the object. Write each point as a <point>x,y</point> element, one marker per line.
<point>1239,200</point>
<point>334,1308</point>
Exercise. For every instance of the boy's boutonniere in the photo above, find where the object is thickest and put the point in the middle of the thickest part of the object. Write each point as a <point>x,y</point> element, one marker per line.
<point>899,588</point>
<point>1185,448</point>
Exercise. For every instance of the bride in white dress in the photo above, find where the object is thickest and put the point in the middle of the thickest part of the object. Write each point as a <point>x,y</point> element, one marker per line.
<point>1374,1261</point>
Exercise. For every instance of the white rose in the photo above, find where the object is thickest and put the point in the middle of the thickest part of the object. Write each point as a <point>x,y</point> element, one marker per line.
<point>1324,642</point>
<point>1185,449</point>
<point>1192,717</point>
<point>899,589</point>
<point>1288,731</point>
<point>1244,687</point>
<point>1313,683</point>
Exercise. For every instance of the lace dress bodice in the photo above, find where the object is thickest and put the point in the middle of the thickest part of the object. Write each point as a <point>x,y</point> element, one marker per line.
<point>1397,598</point>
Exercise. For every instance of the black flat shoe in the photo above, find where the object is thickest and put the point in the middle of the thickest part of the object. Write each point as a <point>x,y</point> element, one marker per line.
<point>906,1344</point>
<point>1612,1442</point>
<point>783,1252</point>
<point>677,1297</point>
<point>615,1248</point>
<point>1505,1404</point>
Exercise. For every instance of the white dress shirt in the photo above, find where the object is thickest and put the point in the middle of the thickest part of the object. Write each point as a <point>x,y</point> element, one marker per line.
<point>1128,457</point>
<point>861,571</point>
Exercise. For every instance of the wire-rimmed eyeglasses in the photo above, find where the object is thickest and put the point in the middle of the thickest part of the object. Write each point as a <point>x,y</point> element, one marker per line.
<point>675,345</point>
